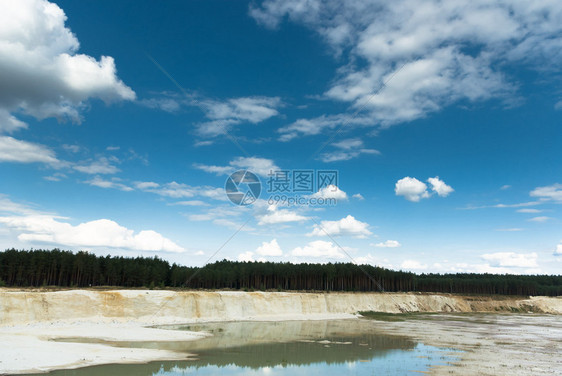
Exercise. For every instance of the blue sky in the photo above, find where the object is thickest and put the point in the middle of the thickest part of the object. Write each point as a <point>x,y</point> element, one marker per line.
<point>121,121</point>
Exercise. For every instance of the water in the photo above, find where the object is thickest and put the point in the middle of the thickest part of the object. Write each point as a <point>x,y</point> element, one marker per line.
<point>338,347</point>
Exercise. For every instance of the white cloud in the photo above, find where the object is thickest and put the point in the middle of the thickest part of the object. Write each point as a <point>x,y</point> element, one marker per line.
<point>143,185</point>
<point>71,148</point>
<point>42,73</point>
<point>511,259</point>
<point>414,190</point>
<point>218,212</point>
<point>203,143</point>
<point>411,188</point>
<point>540,219</point>
<point>504,187</point>
<point>251,109</point>
<point>9,123</point>
<point>238,226</point>
<point>8,206</point>
<point>58,176</point>
<point>102,165</point>
<point>358,196</point>
<point>180,190</point>
<point>273,216</point>
<point>512,229</point>
<point>346,150</point>
<point>224,114</point>
<point>558,250</point>
<point>551,192</point>
<point>260,166</point>
<point>429,55</point>
<point>164,104</point>
<point>270,249</point>
<point>531,211</point>
<point>388,244</point>
<point>47,229</point>
<point>348,226</point>
<point>219,170</point>
<point>372,260</point>
<point>114,183</point>
<point>502,206</point>
<point>246,257</point>
<point>413,265</point>
<point>329,192</point>
<point>12,150</point>
<point>190,203</point>
<point>318,248</point>
<point>438,186</point>
<point>321,124</point>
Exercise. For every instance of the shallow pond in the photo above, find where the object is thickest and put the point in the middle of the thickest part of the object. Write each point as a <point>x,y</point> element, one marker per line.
<point>336,347</point>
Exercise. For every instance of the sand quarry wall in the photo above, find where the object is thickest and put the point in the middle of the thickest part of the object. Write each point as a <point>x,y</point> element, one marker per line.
<point>150,306</point>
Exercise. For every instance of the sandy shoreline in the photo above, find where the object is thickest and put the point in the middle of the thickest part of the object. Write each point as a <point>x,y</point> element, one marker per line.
<point>32,325</point>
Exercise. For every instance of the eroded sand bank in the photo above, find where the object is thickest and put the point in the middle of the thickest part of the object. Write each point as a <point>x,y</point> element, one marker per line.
<point>30,321</point>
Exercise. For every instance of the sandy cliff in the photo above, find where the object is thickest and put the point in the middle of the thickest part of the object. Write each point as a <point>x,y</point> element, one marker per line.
<point>19,307</point>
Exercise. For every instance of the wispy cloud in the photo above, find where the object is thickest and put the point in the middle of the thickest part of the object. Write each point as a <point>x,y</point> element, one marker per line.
<point>346,150</point>
<point>413,58</point>
<point>260,166</point>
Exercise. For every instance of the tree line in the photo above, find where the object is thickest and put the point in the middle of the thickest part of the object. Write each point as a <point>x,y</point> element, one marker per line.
<point>36,268</point>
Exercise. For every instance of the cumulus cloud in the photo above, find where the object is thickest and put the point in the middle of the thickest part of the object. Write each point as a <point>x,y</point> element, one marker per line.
<point>550,192</point>
<point>318,248</point>
<point>358,196</point>
<point>511,259</point>
<point>438,186</point>
<point>47,229</point>
<point>330,192</point>
<point>417,58</point>
<point>558,250</point>
<point>414,190</point>
<point>411,188</point>
<point>273,215</point>
<point>246,257</point>
<point>348,226</point>
<point>388,244</point>
<point>271,248</point>
<point>42,73</point>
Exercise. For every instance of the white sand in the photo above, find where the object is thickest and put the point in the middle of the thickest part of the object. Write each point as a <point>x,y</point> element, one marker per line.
<point>30,348</point>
